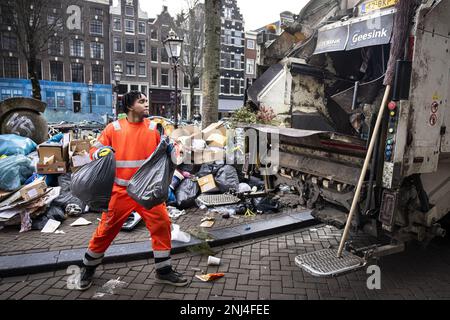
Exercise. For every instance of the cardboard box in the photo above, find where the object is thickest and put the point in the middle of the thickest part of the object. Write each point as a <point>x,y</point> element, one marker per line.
<point>207,156</point>
<point>55,168</point>
<point>79,153</point>
<point>216,140</point>
<point>79,146</point>
<point>33,190</point>
<point>59,150</point>
<point>217,127</point>
<point>207,184</point>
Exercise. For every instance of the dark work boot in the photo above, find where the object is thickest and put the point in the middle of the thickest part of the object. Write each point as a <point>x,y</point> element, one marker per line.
<point>171,277</point>
<point>86,278</point>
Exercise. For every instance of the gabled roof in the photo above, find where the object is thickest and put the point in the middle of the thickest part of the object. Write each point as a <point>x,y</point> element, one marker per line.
<point>262,82</point>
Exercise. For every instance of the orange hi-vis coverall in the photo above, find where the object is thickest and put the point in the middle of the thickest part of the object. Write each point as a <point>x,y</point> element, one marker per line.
<point>133,144</point>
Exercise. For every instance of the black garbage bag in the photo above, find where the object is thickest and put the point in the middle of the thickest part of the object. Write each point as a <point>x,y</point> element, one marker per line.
<point>93,182</point>
<point>227,179</point>
<point>256,182</point>
<point>186,194</point>
<point>266,205</point>
<point>53,212</point>
<point>150,185</point>
<point>65,196</point>
<point>208,168</point>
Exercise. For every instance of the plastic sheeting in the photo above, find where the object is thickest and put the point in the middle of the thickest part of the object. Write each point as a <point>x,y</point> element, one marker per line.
<point>14,171</point>
<point>12,144</point>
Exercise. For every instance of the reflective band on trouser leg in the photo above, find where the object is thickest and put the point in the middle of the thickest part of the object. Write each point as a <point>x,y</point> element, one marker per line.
<point>92,259</point>
<point>121,182</point>
<point>163,263</point>
<point>161,254</point>
<point>129,164</point>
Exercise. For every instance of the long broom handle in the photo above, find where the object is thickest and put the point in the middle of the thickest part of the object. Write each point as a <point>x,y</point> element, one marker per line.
<point>364,171</point>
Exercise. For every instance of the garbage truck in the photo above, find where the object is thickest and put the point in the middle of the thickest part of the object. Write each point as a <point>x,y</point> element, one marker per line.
<point>335,92</point>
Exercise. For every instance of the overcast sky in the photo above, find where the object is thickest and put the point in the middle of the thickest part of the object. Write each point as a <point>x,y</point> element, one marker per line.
<point>257,13</point>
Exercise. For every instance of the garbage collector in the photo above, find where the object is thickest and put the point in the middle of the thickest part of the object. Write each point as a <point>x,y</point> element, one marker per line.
<point>133,140</point>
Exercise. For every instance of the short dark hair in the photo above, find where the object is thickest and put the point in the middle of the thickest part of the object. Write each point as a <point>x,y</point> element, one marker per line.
<point>129,99</point>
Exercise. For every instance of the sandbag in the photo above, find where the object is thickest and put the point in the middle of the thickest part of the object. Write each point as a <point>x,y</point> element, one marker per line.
<point>93,183</point>
<point>14,171</point>
<point>227,179</point>
<point>12,144</point>
<point>65,196</point>
<point>150,184</point>
<point>186,194</point>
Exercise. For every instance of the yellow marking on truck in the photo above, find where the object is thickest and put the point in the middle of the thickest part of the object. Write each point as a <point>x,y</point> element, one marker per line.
<point>376,5</point>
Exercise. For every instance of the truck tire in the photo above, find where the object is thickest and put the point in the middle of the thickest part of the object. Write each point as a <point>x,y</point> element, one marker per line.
<point>26,124</point>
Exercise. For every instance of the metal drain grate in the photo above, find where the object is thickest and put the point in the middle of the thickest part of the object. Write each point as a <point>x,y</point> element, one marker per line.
<point>214,200</point>
<point>325,263</point>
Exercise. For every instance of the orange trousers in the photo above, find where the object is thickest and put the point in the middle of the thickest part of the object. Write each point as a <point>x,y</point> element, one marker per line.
<point>120,207</point>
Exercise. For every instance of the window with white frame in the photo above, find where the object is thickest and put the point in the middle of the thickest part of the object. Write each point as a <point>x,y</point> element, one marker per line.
<point>117,24</point>
<point>250,44</point>
<point>97,73</point>
<point>96,27</point>
<point>129,46</point>
<point>141,46</point>
<point>250,69</point>
<point>225,86</point>
<point>154,34</point>
<point>236,86</point>
<point>55,23</point>
<point>11,67</point>
<point>77,48</point>
<point>9,41</point>
<point>141,27</point>
<point>142,69</point>
<point>129,11</point>
<point>154,76</point>
<point>55,46</point>
<point>77,72</point>
<point>228,13</point>
<point>56,71</point>
<point>130,68</point>
<point>97,50</point>
<point>117,44</point>
<point>164,55</point>
<point>60,99</point>
<point>129,26</point>
<point>154,54</point>
<point>164,77</point>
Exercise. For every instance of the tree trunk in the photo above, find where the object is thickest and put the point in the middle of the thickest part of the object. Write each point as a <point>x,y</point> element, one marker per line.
<point>191,98</point>
<point>36,87</point>
<point>211,76</point>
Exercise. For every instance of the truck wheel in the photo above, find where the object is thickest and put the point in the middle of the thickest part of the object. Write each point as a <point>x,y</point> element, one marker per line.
<point>26,124</point>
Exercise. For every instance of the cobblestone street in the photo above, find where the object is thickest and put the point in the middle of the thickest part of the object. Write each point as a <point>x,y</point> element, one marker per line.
<point>260,269</point>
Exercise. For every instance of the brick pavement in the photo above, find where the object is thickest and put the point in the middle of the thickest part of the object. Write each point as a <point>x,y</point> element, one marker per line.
<point>12,242</point>
<point>259,269</point>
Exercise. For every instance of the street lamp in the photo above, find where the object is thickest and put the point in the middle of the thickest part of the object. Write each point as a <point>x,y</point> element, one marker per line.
<point>117,77</point>
<point>90,88</point>
<point>173,47</point>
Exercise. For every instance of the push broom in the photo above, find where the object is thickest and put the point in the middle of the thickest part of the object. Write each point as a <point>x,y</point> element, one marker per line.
<point>402,19</point>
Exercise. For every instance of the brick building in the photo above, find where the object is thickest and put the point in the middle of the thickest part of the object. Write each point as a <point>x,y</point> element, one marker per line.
<point>78,54</point>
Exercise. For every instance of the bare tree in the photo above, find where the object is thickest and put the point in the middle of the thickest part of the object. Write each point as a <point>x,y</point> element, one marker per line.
<point>211,74</point>
<point>192,26</point>
<point>35,24</point>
